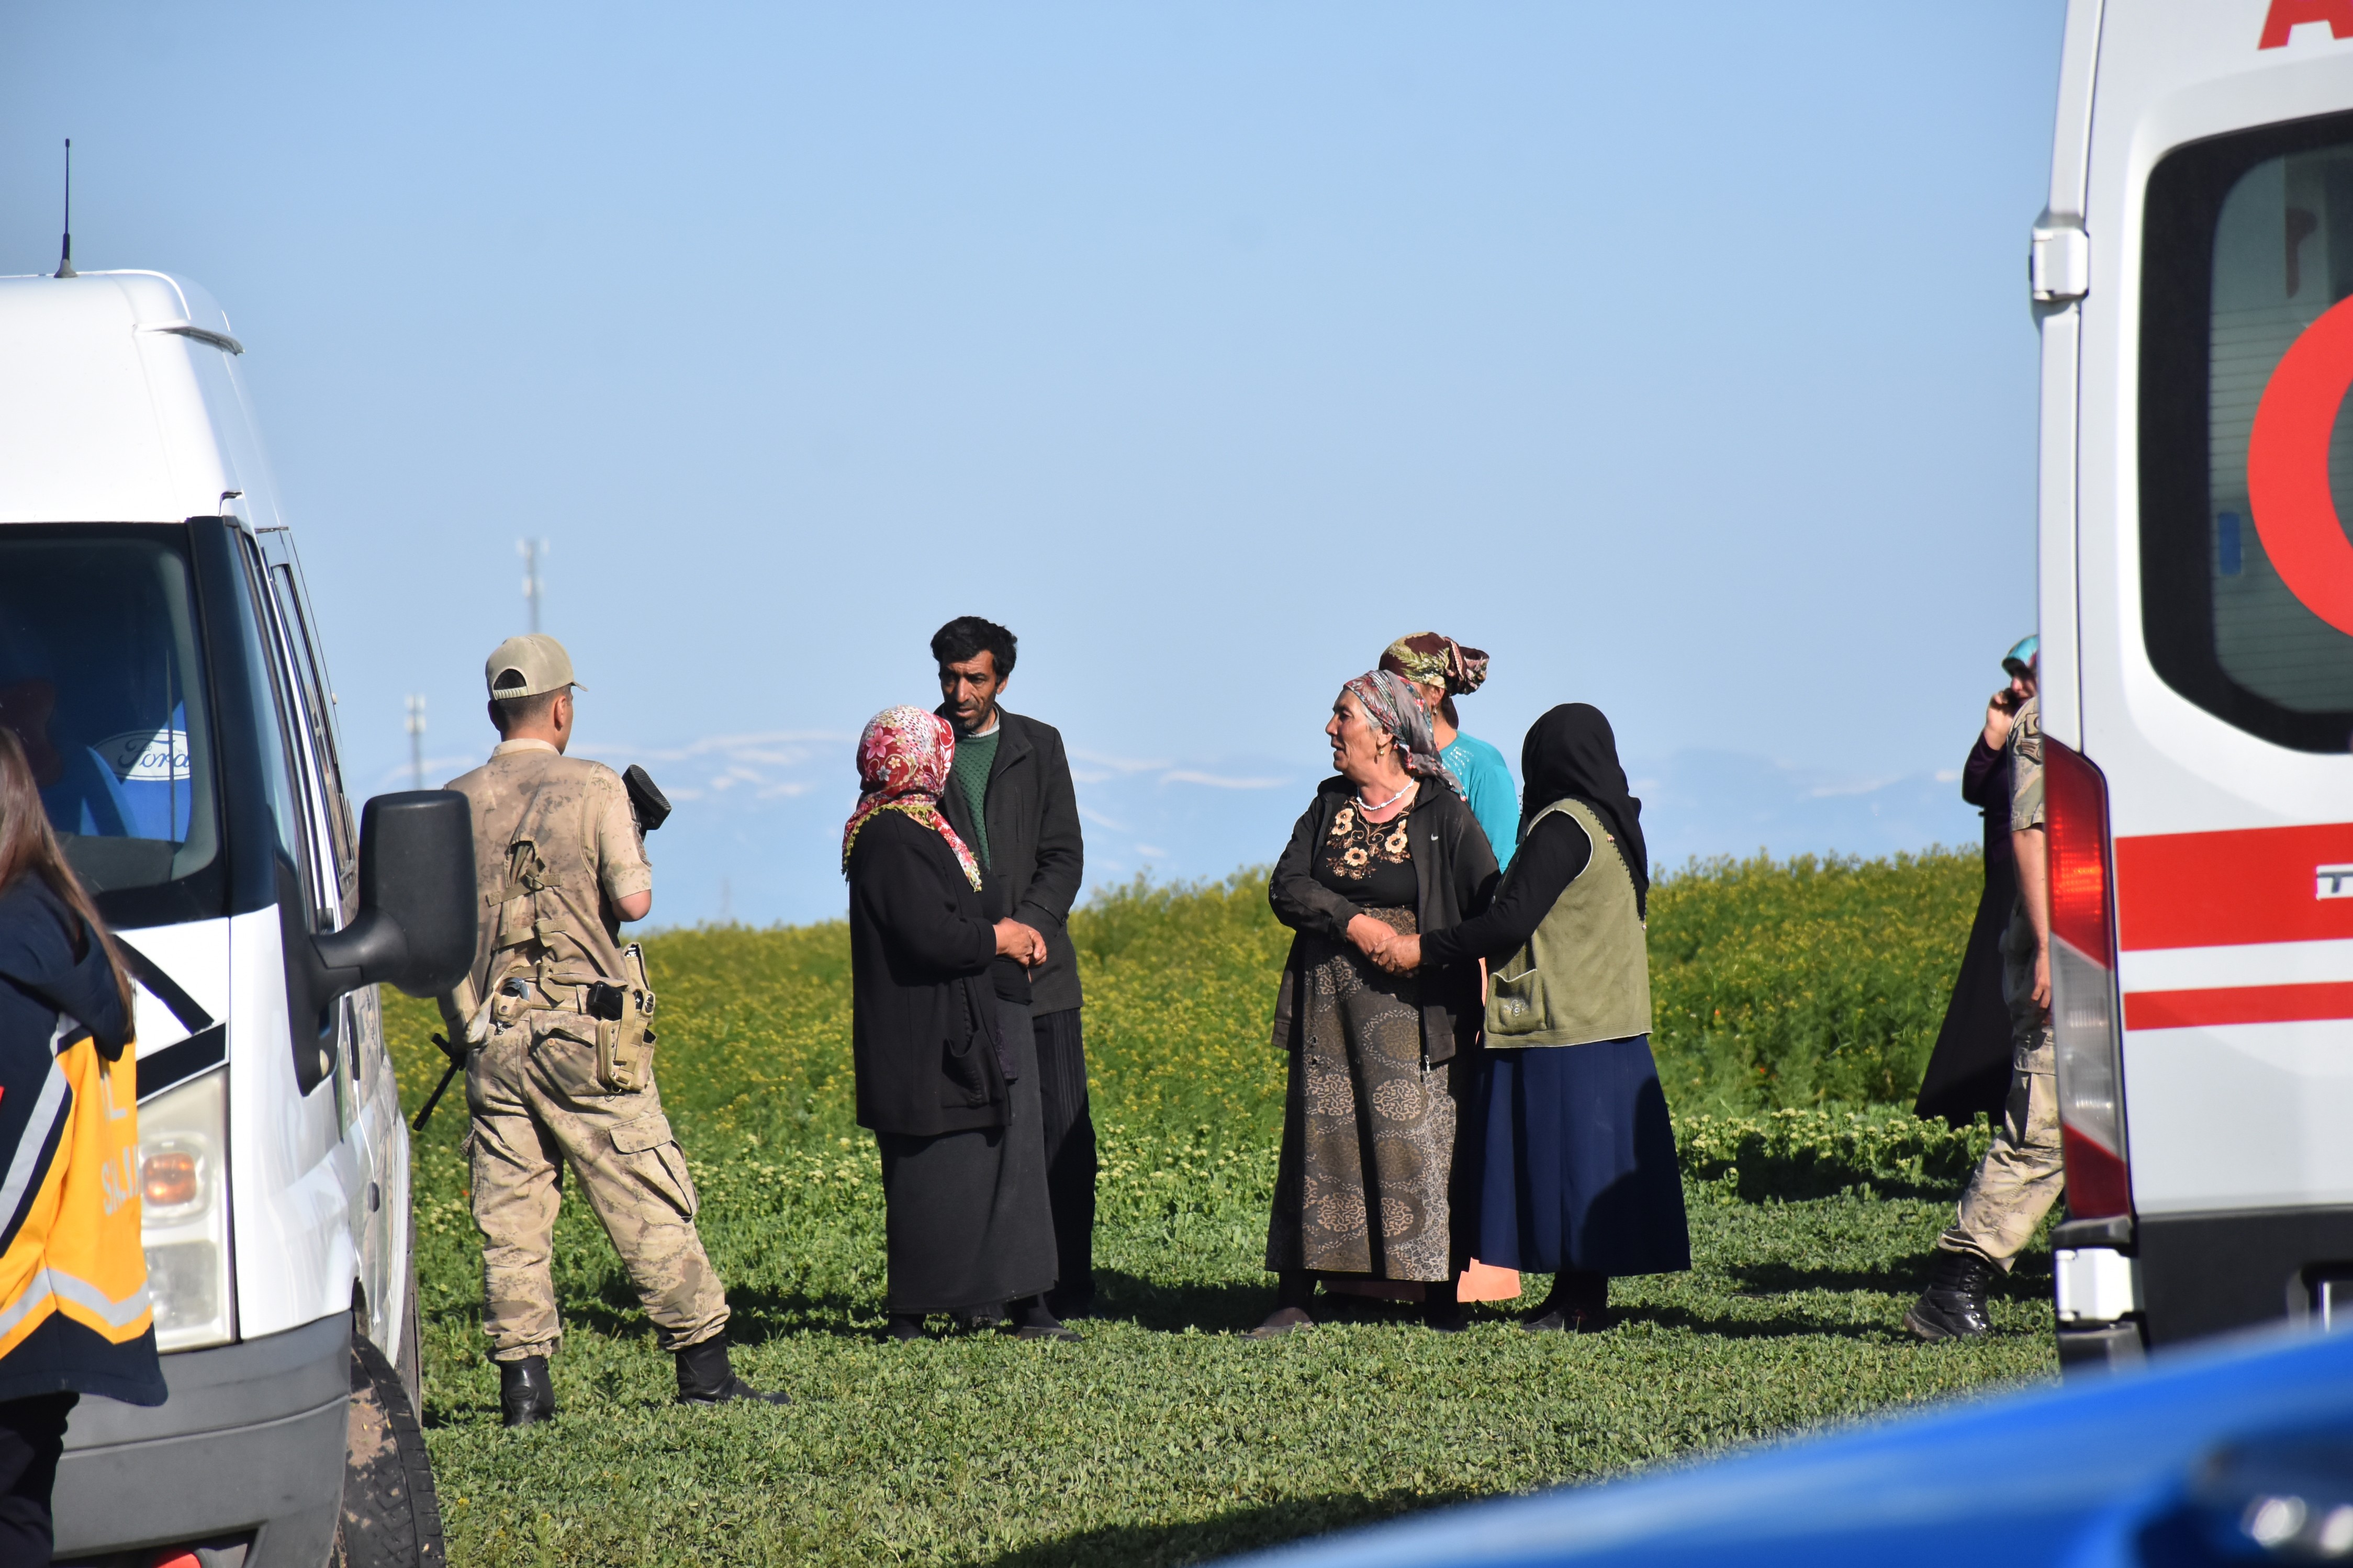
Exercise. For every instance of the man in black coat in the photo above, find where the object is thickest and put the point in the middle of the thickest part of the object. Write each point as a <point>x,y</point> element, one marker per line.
<point>1009,795</point>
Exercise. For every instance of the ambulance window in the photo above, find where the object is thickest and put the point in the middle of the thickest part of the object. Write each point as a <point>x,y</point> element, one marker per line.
<point>102,684</point>
<point>2249,242</point>
<point>315,699</point>
<point>280,774</point>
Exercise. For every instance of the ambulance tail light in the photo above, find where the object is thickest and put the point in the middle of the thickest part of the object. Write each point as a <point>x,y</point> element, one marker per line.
<point>2083,1017</point>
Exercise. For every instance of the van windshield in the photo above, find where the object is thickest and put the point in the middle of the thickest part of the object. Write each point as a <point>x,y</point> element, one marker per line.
<point>101,681</point>
<point>2250,243</point>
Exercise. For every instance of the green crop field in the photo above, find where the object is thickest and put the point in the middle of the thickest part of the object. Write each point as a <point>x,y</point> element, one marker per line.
<point>1796,1003</point>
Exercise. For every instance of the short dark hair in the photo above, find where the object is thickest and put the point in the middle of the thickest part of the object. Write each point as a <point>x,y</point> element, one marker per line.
<point>965,636</point>
<point>515,710</point>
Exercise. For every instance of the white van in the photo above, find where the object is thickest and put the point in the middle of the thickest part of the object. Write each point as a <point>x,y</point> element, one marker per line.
<point>2193,279</point>
<point>162,663</point>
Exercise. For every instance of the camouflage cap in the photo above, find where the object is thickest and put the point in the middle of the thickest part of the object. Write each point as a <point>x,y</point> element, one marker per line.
<point>527,666</point>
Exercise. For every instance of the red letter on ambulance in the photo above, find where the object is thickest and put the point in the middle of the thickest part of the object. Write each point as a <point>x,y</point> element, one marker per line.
<point>2285,15</point>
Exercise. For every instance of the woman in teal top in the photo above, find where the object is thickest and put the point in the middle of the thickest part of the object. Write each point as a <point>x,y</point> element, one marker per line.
<point>1443,669</point>
<point>1487,784</point>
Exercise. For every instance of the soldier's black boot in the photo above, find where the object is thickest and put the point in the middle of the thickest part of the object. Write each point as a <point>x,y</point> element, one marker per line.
<point>1954,1305</point>
<point>526,1394</point>
<point>705,1377</point>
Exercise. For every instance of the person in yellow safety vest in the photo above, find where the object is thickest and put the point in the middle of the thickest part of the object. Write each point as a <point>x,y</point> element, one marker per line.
<point>74,1314</point>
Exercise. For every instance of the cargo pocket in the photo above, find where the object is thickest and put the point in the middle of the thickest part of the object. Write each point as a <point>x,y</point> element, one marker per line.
<point>646,1147</point>
<point>568,1061</point>
<point>1516,1005</point>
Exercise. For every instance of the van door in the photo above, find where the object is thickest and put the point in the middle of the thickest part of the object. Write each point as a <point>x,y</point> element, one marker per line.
<point>367,1099</point>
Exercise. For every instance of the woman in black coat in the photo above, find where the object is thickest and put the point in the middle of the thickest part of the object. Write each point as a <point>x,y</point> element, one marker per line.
<point>1367,1187</point>
<point>1969,1070</point>
<point>65,1022</point>
<point>946,1060</point>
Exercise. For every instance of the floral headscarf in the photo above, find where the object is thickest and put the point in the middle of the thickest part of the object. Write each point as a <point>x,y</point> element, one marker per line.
<point>1428,659</point>
<point>1389,702</point>
<point>903,765</point>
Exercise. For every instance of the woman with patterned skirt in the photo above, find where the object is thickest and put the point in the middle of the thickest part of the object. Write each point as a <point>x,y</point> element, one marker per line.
<point>1380,1063</point>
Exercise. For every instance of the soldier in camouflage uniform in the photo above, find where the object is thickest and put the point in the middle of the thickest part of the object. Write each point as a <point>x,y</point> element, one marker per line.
<point>554,1015</point>
<point>2022,1174</point>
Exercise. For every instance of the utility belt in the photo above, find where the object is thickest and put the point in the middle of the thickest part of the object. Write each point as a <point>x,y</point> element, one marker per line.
<point>614,1018</point>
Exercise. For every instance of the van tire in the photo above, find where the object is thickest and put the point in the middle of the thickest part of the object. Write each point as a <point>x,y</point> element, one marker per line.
<point>391,1515</point>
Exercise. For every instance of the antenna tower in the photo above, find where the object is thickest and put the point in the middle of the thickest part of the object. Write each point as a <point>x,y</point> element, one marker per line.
<point>416,742</point>
<point>533,551</point>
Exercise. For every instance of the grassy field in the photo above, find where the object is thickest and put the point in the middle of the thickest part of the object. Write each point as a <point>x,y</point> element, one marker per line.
<point>1796,1003</point>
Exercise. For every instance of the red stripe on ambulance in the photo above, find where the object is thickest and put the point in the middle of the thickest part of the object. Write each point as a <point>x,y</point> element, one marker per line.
<point>2238,1005</point>
<point>2226,889</point>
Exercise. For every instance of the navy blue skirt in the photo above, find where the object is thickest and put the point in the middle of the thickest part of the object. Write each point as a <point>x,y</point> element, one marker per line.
<point>1578,1170</point>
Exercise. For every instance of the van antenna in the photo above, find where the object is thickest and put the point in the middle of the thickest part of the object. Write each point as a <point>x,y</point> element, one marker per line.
<point>65,260</point>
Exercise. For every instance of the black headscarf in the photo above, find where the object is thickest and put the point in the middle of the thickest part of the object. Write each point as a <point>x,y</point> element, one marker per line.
<point>1570,754</point>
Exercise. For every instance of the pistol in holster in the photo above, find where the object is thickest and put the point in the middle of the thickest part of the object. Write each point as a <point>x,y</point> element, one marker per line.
<point>624,1033</point>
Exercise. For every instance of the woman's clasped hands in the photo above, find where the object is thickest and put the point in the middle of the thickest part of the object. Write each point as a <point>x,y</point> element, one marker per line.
<point>1399,952</point>
<point>1020,944</point>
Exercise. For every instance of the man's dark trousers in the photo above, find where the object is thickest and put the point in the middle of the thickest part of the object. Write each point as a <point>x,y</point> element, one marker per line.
<point>1070,1155</point>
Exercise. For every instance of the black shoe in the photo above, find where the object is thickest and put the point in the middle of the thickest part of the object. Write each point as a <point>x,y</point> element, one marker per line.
<point>1578,1303</point>
<point>906,1328</point>
<point>1444,1320</point>
<point>1034,1320</point>
<point>1075,1304</point>
<point>526,1394</point>
<point>1051,1331</point>
<point>1549,1320</point>
<point>1954,1305</point>
<point>705,1377</point>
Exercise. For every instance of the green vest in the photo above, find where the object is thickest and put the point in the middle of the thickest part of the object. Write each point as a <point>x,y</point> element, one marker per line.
<point>1585,974</point>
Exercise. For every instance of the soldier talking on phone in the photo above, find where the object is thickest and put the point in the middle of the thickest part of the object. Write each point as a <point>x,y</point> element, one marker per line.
<point>2024,1170</point>
<point>553,1023</point>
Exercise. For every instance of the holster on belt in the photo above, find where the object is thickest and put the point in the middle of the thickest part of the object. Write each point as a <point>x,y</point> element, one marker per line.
<point>610,1018</point>
<point>625,1044</point>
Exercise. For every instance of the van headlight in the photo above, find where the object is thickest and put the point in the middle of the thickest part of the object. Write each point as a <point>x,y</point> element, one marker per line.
<point>183,1212</point>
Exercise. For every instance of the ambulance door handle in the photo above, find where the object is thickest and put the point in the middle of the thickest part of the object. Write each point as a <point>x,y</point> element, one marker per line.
<point>2058,260</point>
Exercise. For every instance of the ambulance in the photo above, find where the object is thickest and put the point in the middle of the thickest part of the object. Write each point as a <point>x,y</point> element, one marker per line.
<point>2192,280</point>
<point>165,667</point>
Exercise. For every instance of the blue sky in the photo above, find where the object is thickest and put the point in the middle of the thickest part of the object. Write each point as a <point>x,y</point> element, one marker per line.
<point>1678,355</point>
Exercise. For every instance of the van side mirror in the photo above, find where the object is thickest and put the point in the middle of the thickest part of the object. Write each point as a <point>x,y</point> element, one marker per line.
<point>415,924</point>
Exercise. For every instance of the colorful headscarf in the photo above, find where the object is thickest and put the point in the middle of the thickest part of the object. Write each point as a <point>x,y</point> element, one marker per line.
<point>1389,702</point>
<point>1428,659</point>
<point>903,765</point>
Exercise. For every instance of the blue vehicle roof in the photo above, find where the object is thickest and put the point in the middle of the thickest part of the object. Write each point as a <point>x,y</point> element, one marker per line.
<point>2223,1450</point>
